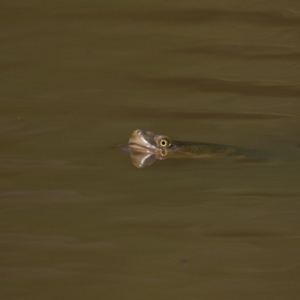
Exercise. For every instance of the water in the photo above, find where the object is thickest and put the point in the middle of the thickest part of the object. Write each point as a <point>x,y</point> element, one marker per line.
<point>79,220</point>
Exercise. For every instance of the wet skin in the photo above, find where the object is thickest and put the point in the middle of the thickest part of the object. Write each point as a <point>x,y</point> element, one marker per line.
<point>145,147</point>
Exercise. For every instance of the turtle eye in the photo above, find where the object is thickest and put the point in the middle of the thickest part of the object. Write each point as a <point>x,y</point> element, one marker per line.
<point>164,142</point>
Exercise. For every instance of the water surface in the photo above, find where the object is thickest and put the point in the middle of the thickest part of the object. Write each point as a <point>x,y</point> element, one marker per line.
<point>79,220</point>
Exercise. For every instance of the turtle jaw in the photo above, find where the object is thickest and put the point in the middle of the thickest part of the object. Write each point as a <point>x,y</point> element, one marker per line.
<point>143,141</point>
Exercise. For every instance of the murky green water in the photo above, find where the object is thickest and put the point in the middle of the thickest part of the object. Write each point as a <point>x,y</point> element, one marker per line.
<point>78,220</point>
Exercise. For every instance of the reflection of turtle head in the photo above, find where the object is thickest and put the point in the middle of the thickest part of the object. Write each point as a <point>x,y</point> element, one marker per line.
<point>142,159</point>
